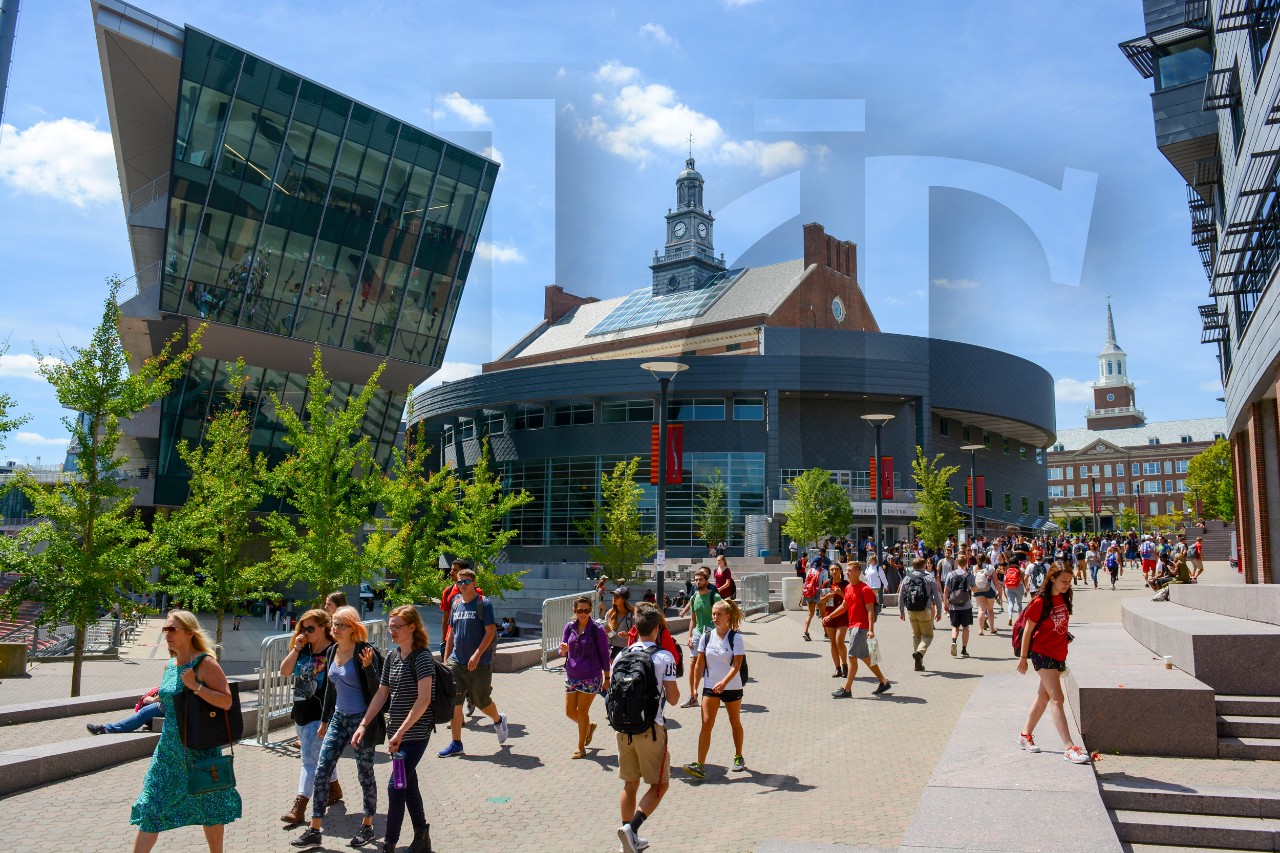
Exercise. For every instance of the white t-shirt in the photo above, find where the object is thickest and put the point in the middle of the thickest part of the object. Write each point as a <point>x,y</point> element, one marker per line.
<point>720,658</point>
<point>873,575</point>
<point>664,667</point>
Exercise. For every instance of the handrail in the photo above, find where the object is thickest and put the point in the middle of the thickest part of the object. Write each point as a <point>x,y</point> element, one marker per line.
<point>753,593</point>
<point>556,613</point>
<point>148,193</point>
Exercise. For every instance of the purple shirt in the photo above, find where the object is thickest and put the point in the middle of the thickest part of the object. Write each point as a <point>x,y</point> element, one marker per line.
<point>588,652</point>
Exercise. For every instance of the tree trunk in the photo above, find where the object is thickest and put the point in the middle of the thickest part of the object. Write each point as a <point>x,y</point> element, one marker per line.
<point>77,661</point>
<point>218,642</point>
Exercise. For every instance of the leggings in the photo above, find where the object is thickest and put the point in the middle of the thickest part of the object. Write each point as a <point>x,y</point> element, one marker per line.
<point>409,796</point>
<point>336,738</point>
<point>1014,594</point>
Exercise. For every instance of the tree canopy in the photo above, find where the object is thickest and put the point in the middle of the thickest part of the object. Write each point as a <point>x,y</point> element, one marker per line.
<point>475,534</point>
<point>1211,481</point>
<point>613,531</point>
<point>819,507</point>
<point>939,515</point>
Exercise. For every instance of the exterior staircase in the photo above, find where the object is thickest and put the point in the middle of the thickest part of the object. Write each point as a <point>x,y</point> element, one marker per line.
<point>1147,813</point>
<point>1249,727</point>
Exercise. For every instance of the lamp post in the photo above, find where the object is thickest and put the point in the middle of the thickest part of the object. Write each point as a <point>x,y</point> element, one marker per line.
<point>1137,503</point>
<point>1093,503</point>
<point>878,421</point>
<point>665,372</point>
<point>973,490</point>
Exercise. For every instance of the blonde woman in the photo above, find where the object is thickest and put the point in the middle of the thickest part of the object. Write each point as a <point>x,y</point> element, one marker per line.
<point>305,664</point>
<point>721,652</point>
<point>164,802</point>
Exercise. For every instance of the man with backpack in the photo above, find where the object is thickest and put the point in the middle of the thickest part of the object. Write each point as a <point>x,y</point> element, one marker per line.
<point>919,598</point>
<point>959,587</point>
<point>699,607</point>
<point>642,679</point>
<point>1147,550</point>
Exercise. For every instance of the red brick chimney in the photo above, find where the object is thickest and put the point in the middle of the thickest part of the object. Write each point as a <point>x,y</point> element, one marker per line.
<point>824,250</point>
<point>556,302</point>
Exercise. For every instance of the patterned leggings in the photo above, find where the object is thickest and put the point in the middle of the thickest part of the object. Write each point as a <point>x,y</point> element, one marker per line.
<point>336,738</point>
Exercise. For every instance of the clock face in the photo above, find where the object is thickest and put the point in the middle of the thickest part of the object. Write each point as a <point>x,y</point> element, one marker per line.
<point>673,283</point>
<point>1111,398</point>
<point>680,228</point>
<point>702,230</point>
<point>837,309</point>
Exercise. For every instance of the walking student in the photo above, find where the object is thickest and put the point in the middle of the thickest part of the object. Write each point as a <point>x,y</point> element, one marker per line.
<point>405,688</point>
<point>642,680</point>
<point>586,669</point>
<point>1015,583</point>
<point>984,590</point>
<point>699,606</point>
<point>832,597</point>
<point>1044,643</point>
<point>468,652</point>
<point>720,656</point>
<point>352,668</point>
<point>305,663</point>
<point>725,585</point>
<point>815,578</point>
<point>858,610</point>
<point>959,587</point>
<point>920,600</point>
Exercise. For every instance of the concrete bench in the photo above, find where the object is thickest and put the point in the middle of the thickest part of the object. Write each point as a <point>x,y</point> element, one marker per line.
<point>1221,651</point>
<point>96,703</point>
<point>1255,602</point>
<point>1120,696</point>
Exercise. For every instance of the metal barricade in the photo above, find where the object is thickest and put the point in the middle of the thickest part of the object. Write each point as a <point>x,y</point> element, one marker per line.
<point>753,593</point>
<point>275,691</point>
<point>556,613</point>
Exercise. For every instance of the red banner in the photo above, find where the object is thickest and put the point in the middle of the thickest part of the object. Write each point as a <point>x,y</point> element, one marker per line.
<point>675,454</point>
<point>982,492</point>
<point>886,477</point>
<point>874,478</point>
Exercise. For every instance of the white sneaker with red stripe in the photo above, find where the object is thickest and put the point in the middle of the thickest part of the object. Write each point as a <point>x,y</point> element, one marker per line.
<point>1075,755</point>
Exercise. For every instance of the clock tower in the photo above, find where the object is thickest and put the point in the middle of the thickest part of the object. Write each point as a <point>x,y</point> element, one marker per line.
<point>690,256</point>
<point>1114,403</point>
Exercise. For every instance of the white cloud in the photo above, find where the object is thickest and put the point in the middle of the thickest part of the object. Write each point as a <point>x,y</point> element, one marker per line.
<point>22,366</point>
<point>67,159</point>
<point>493,154</point>
<point>659,34</point>
<point>616,73</point>
<point>1073,391</point>
<point>955,283</point>
<point>487,251</point>
<point>40,440</point>
<point>469,111</point>
<point>771,157</point>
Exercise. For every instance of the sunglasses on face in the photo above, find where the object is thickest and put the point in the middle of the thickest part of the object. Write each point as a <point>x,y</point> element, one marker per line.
<point>465,582</point>
<point>169,629</point>
<point>307,629</point>
<point>587,611</point>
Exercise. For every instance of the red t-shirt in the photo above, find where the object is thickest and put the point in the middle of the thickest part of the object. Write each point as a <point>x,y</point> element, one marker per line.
<point>723,576</point>
<point>838,588</point>
<point>1050,639</point>
<point>856,598</point>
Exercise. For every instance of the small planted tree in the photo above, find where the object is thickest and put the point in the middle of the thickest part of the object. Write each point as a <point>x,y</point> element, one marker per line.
<point>330,480</point>
<point>613,530</point>
<point>818,507</point>
<point>939,515</point>
<point>88,549</point>
<point>1128,519</point>
<point>1211,481</point>
<point>476,533</point>
<point>712,514</point>
<point>204,537</point>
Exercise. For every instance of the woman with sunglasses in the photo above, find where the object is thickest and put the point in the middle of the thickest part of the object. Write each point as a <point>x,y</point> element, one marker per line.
<point>1044,643</point>
<point>586,669</point>
<point>620,619</point>
<point>352,668</point>
<point>406,682</point>
<point>164,802</point>
<point>305,664</point>
<point>832,598</point>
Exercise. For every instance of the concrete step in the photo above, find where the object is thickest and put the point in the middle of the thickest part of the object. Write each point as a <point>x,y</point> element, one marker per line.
<point>1257,748</point>
<point>1152,795</point>
<point>1249,706</point>
<point>1216,832</point>
<point>1241,726</point>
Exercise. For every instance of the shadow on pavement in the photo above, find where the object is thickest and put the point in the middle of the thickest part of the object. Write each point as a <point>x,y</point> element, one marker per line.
<point>504,757</point>
<point>793,655</point>
<point>770,781</point>
<point>933,673</point>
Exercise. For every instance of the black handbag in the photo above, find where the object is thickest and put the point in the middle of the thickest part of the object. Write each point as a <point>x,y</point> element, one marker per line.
<point>212,774</point>
<point>204,726</point>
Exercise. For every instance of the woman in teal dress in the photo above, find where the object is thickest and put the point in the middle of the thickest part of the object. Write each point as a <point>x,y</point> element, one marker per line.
<point>164,802</point>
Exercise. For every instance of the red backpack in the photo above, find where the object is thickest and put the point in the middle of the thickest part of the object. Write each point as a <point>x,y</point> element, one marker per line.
<point>1012,576</point>
<point>811,583</point>
<point>1020,623</point>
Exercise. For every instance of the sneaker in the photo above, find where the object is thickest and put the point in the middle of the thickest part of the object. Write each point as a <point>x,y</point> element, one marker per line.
<point>1075,755</point>
<point>454,748</point>
<point>807,638</point>
<point>919,656</point>
<point>309,838</point>
<point>501,728</point>
<point>691,702</point>
<point>964,653</point>
<point>631,843</point>
<point>739,763</point>
<point>469,709</point>
<point>953,648</point>
<point>641,844</point>
<point>96,728</point>
<point>882,687</point>
<point>840,693</point>
<point>363,836</point>
<point>696,770</point>
<point>1028,743</point>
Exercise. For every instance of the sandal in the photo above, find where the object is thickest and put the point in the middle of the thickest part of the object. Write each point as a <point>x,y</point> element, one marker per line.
<point>579,753</point>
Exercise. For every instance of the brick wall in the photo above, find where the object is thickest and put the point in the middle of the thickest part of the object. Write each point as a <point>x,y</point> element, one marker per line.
<point>1244,522</point>
<point>831,270</point>
<point>556,302</point>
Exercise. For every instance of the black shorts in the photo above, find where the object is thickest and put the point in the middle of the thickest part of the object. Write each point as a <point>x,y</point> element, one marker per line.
<point>725,696</point>
<point>1040,662</point>
<point>962,618</point>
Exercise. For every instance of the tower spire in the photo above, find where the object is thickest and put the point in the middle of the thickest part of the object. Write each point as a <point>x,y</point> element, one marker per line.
<point>1111,324</point>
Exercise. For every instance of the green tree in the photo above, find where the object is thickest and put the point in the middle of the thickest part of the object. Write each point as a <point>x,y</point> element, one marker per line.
<point>1211,481</point>
<point>227,485</point>
<point>939,515</point>
<point>88,550</point>
<point>1128,519</point>
<point>819,507</point>
<point>476,533</point>
<point>417,505</point>
<point>330,481</point>
<point>8,421</point>
<point>613,530</point>
<point>712,515</point>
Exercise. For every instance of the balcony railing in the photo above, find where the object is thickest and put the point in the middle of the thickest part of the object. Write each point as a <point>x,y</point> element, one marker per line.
<point>1117,410</point>
<point>145,195</point>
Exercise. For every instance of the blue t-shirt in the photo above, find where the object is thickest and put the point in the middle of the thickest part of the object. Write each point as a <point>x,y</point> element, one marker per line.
<point>346,680</point>
<point>467,623</point>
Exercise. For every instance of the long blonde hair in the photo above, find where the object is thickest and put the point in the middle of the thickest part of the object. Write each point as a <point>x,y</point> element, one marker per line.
<point>199,639</point>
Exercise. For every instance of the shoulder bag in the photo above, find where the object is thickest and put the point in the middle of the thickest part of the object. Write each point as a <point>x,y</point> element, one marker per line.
<point>204,726</point>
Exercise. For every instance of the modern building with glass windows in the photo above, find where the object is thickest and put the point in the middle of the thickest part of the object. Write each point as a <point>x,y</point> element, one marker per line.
<point>783,360</point>
<point>284,215</point>
<point>1217,118</point>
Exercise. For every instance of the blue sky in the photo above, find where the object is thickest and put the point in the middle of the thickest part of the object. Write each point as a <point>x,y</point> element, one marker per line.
<point>841,113</point>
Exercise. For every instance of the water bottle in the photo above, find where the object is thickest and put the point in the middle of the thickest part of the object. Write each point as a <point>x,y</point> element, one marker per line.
<point>398,779</point>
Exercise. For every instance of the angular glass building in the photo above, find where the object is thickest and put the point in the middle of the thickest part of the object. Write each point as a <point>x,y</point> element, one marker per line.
<point>286,216</point>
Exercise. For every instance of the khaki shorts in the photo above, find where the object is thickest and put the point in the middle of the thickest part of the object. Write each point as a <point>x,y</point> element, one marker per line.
<point>478,684</point>
<point>644,757</point>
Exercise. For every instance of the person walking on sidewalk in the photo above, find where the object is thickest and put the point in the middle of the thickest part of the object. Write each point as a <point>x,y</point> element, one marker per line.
<point>305,664</point>
<point>586,669</point>
<point>959,587</point>
<point>642,750</point>
<point>699,606</point>
<point>815,578</point>
<point>1015,583</point>
<point>1044,642</point>
<point>858,610</point>
<point>720,656</point>
<point>832,596</point>
<point>920,600</point>
<point>468,652</point>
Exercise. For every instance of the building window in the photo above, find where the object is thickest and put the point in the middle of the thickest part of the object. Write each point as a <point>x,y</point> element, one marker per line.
<point>1134,469</point>
<point>1186,439</point>
<point>1022,451</point>
<point>1153,508</point>
<point>1095,470</point>
<point>944,427</point>
<point>1109,370</point>
<point>1055,492</point>
<point>1004,446</point>
<point>448,435</point>
<point>1041,505</point>
<point>1071,491</point>
<point>1008,502</point>
<point>1055,473</point>
<point>1153,440</point>
<point>1026,505</point>
<point>1181,485</point>
<point>467,429</point>
<point>986,441</point>
<point>529,419</point>
<point>1168,466</point>
<point>1071,472</point>
<point>573,414</point>
<point>1106,470</point>
<point>1180,467</point>
<point>626,411</point>
<point>1183,62</point>
<point>1168,486</point>
<point>705,409</point>
<point>732,347</point>
<point>986,497</point>
<point>748,409</point>
<point>1059,448</point>
<point>495,425</point>
<point>1119,488</point>
<point>1084,490</point>
<point>1168,507</point>
<point>966,434</point>
<point>1217,436</point>
<point>1149,468</point>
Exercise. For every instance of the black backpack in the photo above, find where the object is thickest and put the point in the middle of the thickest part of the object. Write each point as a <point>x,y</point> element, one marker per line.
<point>442,693</point>
<point>915,593</point>
<point>633,700</point>
<point>702,648</point>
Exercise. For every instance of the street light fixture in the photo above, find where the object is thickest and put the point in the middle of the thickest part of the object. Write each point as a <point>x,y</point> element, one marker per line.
<point>1093,503</point>
<point>665,372</point>
<point>878,421</point>
<point>1137,503</point>
<point>973,490</point>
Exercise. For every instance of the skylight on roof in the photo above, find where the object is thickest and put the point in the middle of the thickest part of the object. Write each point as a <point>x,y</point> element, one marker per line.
<point>643,308</point>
